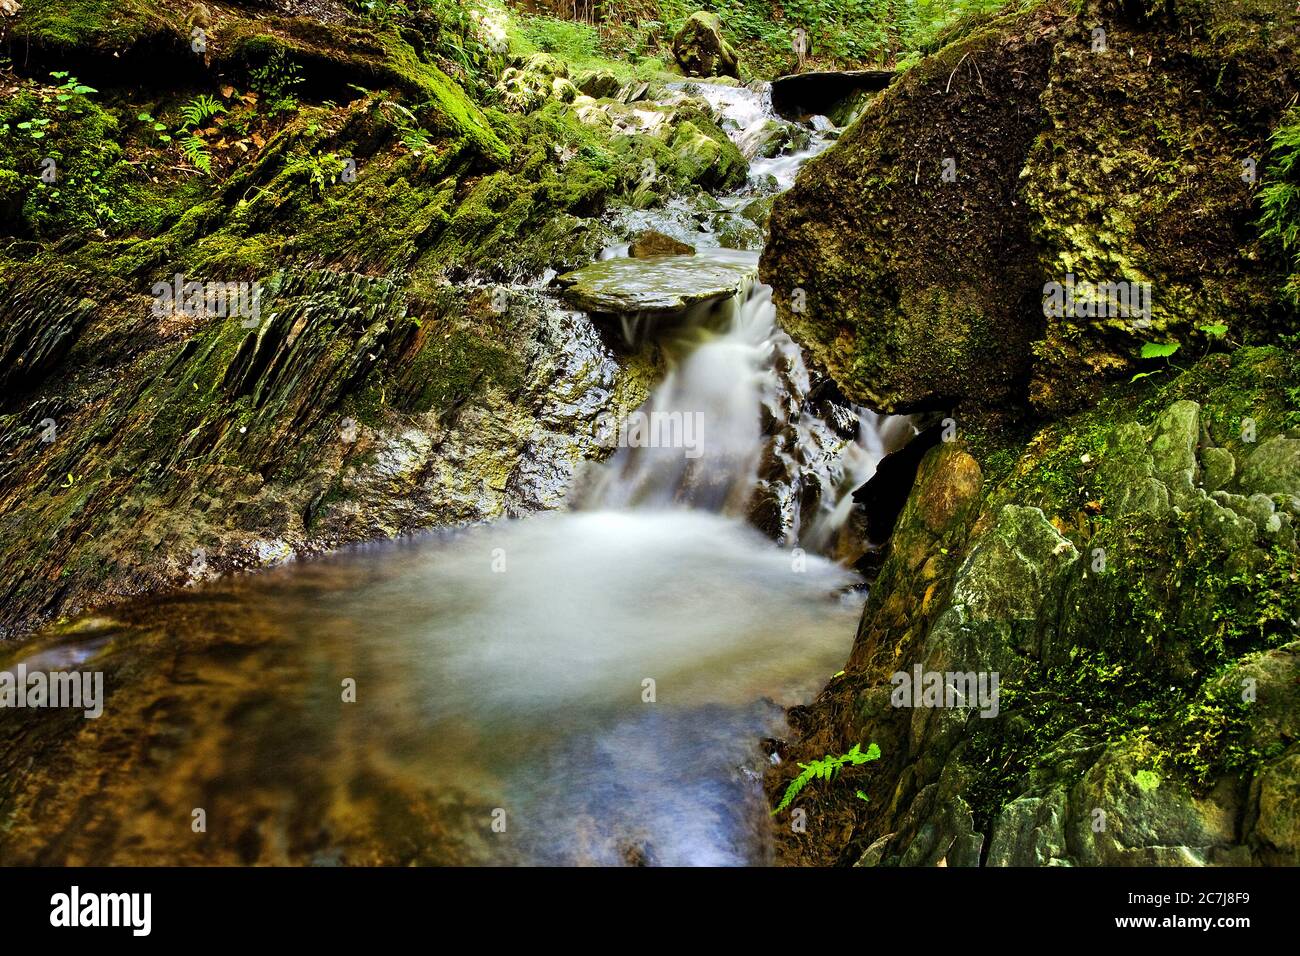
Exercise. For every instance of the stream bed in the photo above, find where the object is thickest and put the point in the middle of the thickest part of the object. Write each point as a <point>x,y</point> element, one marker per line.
<point>589,686</point>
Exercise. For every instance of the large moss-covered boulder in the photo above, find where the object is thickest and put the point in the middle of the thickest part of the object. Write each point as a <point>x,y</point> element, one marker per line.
<point>1131,575</point>
<point>529,85</point>
<point>701,50</point>
<point>916,258</point>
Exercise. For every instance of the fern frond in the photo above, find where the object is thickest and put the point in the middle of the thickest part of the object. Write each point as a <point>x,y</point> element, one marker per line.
<point>827,768</point>
<point>196,151</point>
<point>200,108</point>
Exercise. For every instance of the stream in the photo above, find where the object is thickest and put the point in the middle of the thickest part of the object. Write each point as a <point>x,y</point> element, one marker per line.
<point>585,686</point>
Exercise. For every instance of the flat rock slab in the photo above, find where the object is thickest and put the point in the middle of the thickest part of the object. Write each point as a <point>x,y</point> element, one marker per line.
<point>658,285</point>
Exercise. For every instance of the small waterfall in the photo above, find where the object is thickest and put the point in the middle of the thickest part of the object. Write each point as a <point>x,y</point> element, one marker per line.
<point>877,436</point>
<point>732,429</point>
<point>711,398</point>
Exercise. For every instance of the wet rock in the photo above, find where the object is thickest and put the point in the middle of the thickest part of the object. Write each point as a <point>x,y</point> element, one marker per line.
<point>652,243</point>
<point>634,92</point>
<point>1218,468</point>
<point>706,159</point>
<point>701,50</point>
<point>541,77</point>
<point>699,153</point>
<point>1273,466</point>
<point>43,321</point>
<point>772,138</point>
<point>1277,825</point>
<point>657,286</point>
<point>759,210</point>
<point>1148,819</point>
<point>1170,586</point>
<point>598,84</point>
<point>1030,832</point>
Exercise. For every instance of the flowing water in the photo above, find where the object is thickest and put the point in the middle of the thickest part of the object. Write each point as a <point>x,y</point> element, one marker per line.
<point>587,686</point>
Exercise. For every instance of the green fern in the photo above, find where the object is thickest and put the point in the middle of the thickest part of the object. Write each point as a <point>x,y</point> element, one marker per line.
<point>825,769</point>
<point>199,109</point>
<point>1280,200</point>
<point>196,151</point>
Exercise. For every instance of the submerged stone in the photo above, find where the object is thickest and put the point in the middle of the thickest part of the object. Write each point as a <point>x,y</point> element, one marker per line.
<point>653,243</point>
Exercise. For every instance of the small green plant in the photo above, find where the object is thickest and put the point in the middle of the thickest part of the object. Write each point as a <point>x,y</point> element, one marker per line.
<point>196,151</point>
<point>35,128</point>
<point>158,128</point>
<point>414,137</point>
<point>1155,350</point>
<point>199,110</point>
<point>1151,350</point>
<point>827,768</point>
<point>194,114</point>
<point>276,82</point>
<point>69,89</point>
<point>319,171</point>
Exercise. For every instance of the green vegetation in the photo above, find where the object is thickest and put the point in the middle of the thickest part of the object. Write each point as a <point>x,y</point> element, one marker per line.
<point>276,81</point>
<point>1182,609</point>
<point>1280,200</point>
<point>841,33</point>
<point>826,768</point>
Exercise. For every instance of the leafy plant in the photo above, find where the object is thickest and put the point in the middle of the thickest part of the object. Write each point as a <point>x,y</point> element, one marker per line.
<point>827,768</point>
<point>319,171</point>
<point>35,128</point>
<point>196,151</point>
<point>159,128</point>
<point>1155,350</point>
<point>409,132</point>
<point>1152,350</point>
<point>276,80</point>
<point>199,110</point>
<point>69,89</point>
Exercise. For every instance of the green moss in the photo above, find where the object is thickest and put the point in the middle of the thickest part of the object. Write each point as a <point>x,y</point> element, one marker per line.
<point>452,367</point>
<point>334,56</point>
<point>70,25</point>
<point>1154,639</point>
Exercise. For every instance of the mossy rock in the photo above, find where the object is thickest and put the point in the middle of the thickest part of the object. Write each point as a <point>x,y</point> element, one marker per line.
<point>914,257</point>
<point>1125,607</point>
<point>701,50</point>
